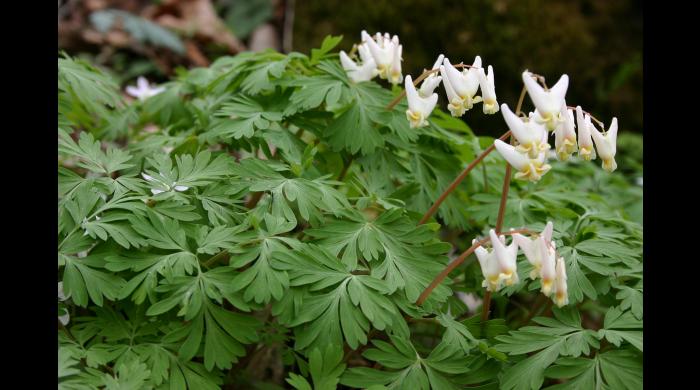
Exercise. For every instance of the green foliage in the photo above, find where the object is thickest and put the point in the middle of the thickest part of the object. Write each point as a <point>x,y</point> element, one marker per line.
<point>257,222</point>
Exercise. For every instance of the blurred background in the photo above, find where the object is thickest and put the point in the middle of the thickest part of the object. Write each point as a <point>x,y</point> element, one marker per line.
<point>598,43</point>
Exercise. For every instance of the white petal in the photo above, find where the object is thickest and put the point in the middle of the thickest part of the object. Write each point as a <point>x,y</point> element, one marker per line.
<point>142,83</point>
<point>451,93</point>
<point>147,177</point>
<point>536,92</point>
<point>439,61</point>
<point>559,89</point>
<point>61,294</point>
<point>156,192</point>
<point>181,188</point>
<point>547,232</point>
<point>64,319</point>
<point>347,63</point>
<point>514,158</point>
<point>516,125</point>
<point>429,84</point>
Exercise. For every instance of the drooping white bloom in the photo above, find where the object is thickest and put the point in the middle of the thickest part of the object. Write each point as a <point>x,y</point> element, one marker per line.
<point>489,267</point>
<point>561,295</point>
<point>585,142</point>
<point>419,108</point>
<point>565,136</point>
<point>432,81</point>
<point>358,73</point>
<point>531,135</point>
<point>455,103</point>
<point>506,256</point>
<point>548,103</point>
<point>535,248</point>
<point>383,50</point>
<point>395,76</point>
<point>606,145</point>
<point>547,271</point>
<point>528,169</point>
<point>164,187</point>
<point>465,84</point>
<point>143,89</point>
<point>488,91</point>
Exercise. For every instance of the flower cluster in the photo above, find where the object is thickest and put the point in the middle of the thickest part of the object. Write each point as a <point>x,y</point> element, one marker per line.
<point>551,113</point>
<point>461,88</point>
<point>499,265</point>
<point>379,55</point>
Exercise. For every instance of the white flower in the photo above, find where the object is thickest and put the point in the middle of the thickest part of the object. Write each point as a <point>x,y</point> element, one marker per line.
<point>358,73</point>
<point>565,136</point>
<point>548,103</point>
<point>455,103</point>
<point>488,91</point>
<point>547,272</point>
<point>606,145</point>
<point>164,187</point>
<point>528,169</point>
<point>432,81</point>
<point>561,295</point>
<point>395,76</point>
<point>143,90</point>
<point>585,142</point>
<point>464,85</point>
<point>383,50</point>
<point>640,181</point>
<point>531,136</point>
<point>535,248</point>
<point>489,268</point>
<point>506,256</point>
<point>419,108</point>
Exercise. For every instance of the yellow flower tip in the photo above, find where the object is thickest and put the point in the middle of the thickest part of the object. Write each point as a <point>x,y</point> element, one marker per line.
<point>534,273</point>
<point>415,119</point>
<point>561,299</point>
<point>547,286</point>
<point>586,152</point>
<point>609,164</point>
<point>490,106</point>
<point>456,107</point>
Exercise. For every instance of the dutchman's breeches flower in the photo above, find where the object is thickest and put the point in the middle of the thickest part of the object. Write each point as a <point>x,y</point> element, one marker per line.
<point>561,294</point>
<point>395,76</point>
<point>455,103</point>
<point>506,256</point>
<point>419,108</point>
<point>585,142</point>
<point>548,103</point>
<point>489,268</point>
<point>488,91</point>
<point>547,271</point>
<point>606,145</point>
<point>465,84</point>
<point>531,136</point>
<point>358,73</point>
<point>383,51</point>
<point>432,81</point>
<point>528,169</point>
<point>565,136</point>
<point>535,248</point>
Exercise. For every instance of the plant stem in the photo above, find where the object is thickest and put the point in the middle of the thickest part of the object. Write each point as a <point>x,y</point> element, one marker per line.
<point>459,179</point>
<point>215,258</point>
<point>346,166</point>
<point>456,262</point>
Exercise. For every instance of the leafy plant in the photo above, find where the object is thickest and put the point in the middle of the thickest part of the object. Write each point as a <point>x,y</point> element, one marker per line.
<point>264,212</point>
